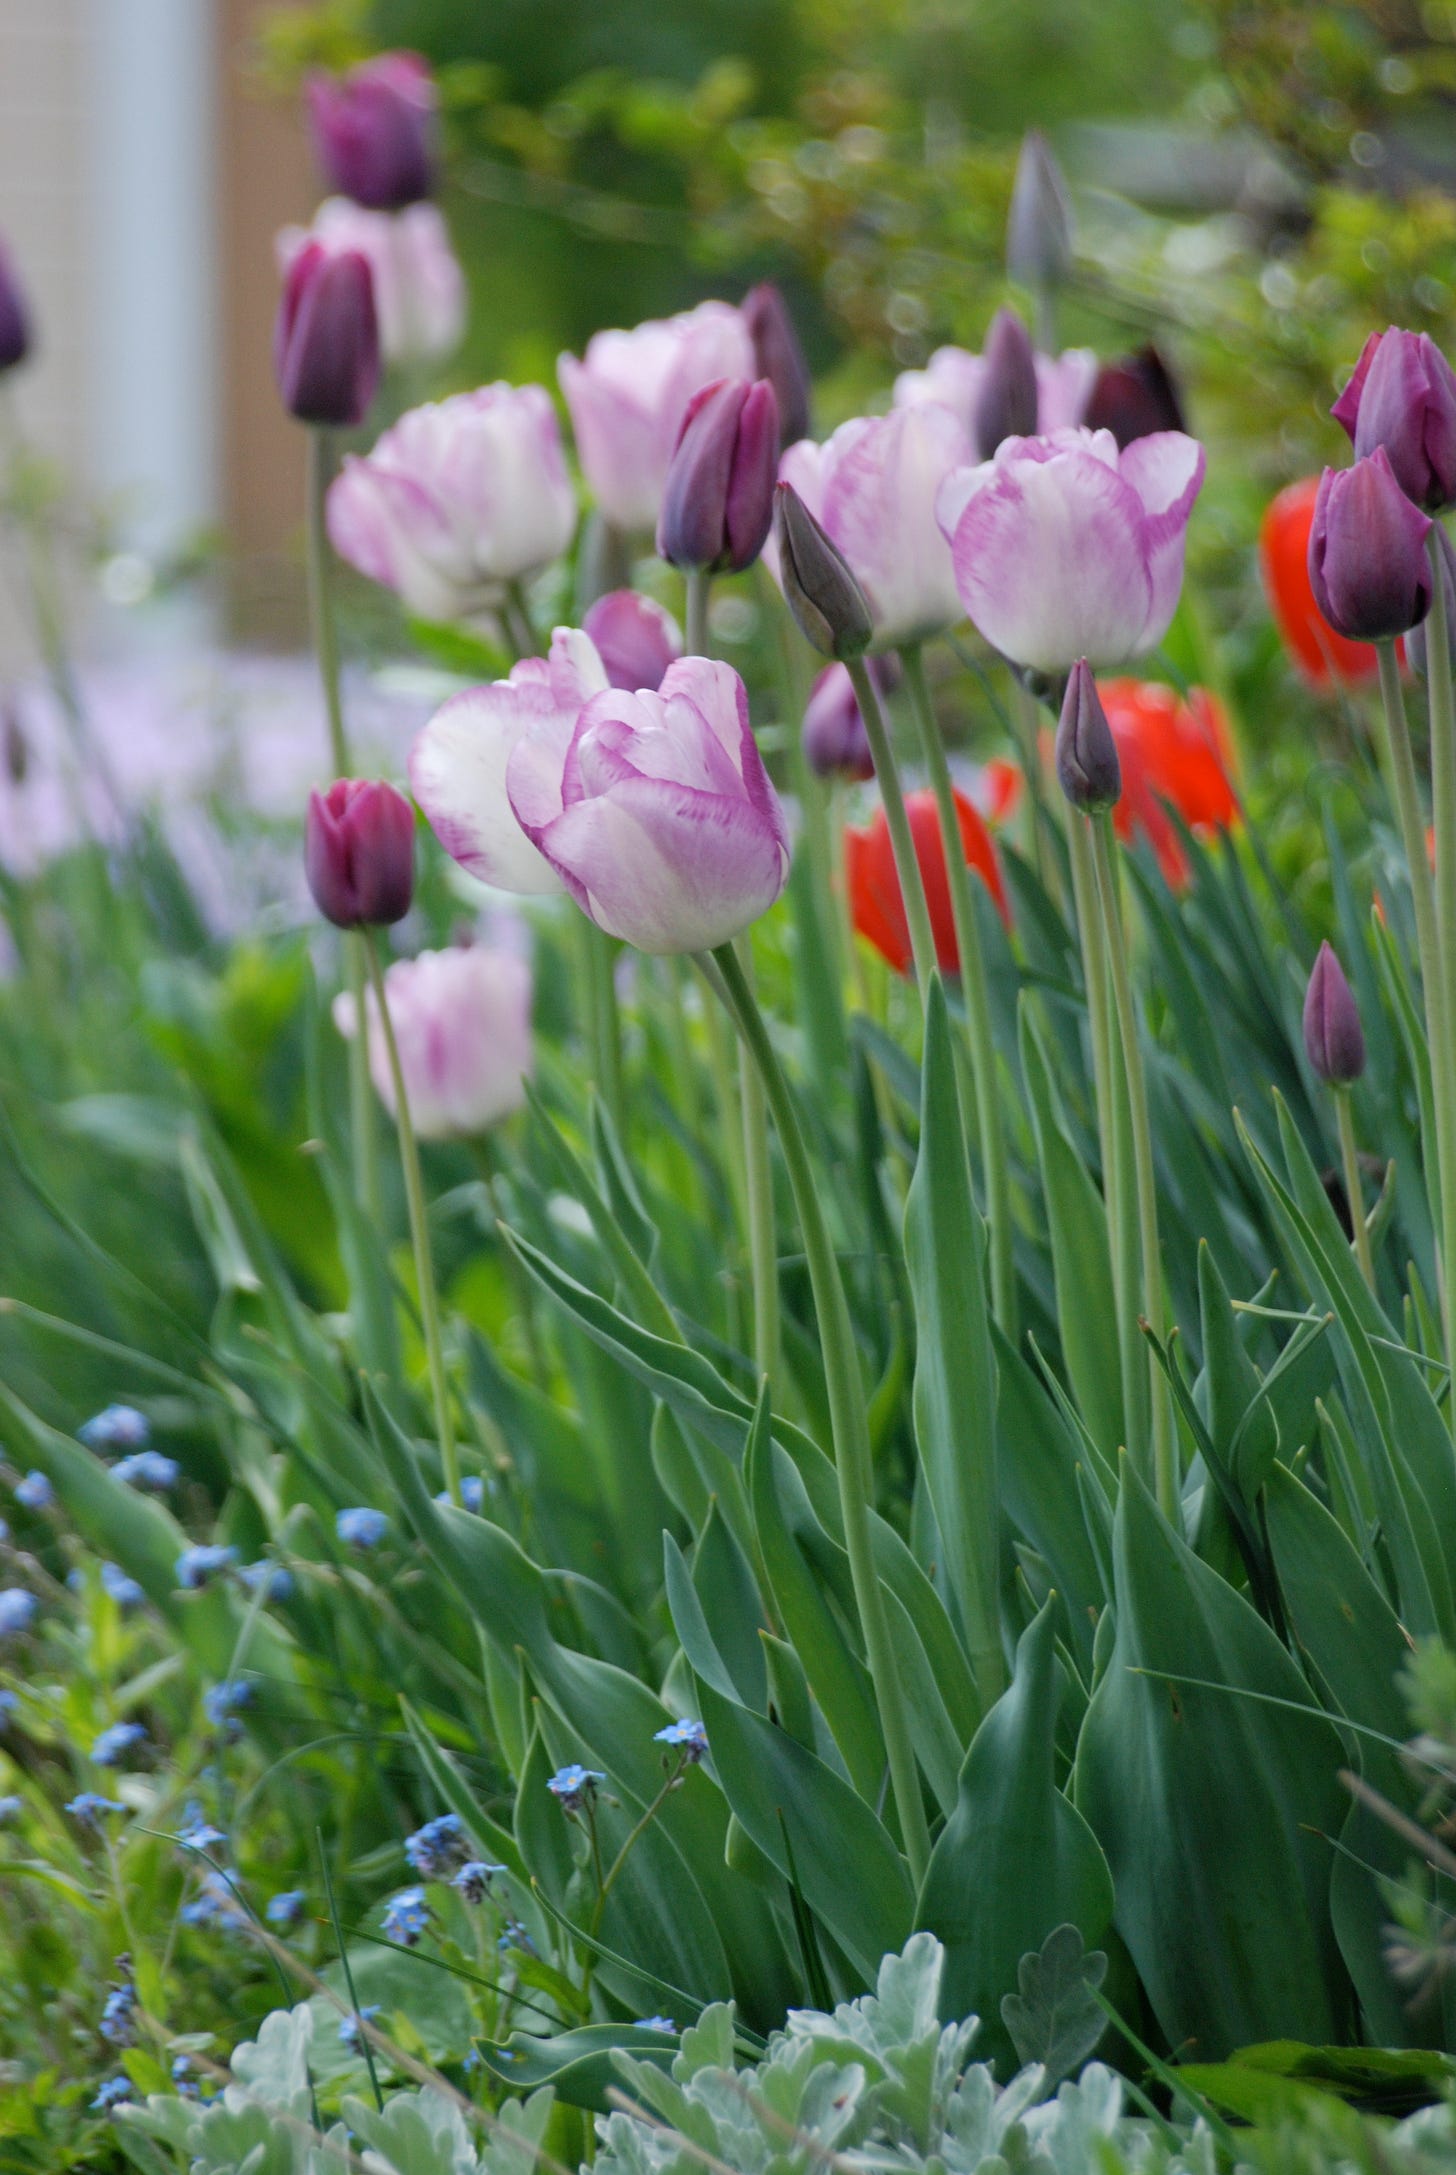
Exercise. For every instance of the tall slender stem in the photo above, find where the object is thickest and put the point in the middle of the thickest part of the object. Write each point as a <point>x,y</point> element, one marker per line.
<point>699,583</point>
<point>1405,793</point>
<point>1354,1188</point>
<point>604,1021</point>
<point>763,1249</point>
<point>976,992</point>
<point>1122,1229</point>
<point>852,1457</point>
<point>1025,725</point>
<point>414,1188</point>
<point>902,842</point>
<point>362,1127</point>
<point>1165,1479</point>
<point>1442,1028</point>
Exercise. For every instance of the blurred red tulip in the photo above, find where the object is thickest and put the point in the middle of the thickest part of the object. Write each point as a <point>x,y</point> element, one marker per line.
<point>1320,653</point>
<point>1173,752</point>
<point>876,905</point>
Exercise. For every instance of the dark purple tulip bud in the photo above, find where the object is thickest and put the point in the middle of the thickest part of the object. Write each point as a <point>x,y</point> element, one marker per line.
<point>717,503</point>
<point>1006,406</point>
<point>374,131</point>
<point>1087,765</point>
<point>1403,397</point>
<point>359,853</point>
<point>1039,228</point>
<point>326,340</point>
<point>635,638</point>
<point>1134,397</point>
<point>1367,552</point>
<point>14,317</point>
<point>1415,641</point>
<point>779,358</point>
<point>836,744</point>
<point>818,587</point>
<point>1334,1042</point>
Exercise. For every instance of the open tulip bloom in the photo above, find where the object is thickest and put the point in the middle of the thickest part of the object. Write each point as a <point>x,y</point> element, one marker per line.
<point>1065,547</point>
<point>653,810</point>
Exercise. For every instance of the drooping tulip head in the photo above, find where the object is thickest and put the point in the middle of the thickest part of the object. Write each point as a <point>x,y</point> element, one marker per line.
<point>1334,1041</point>
<point>1367,552</point>
<point>326,338</point>
<point>359,853</point>
<point>374,130</point>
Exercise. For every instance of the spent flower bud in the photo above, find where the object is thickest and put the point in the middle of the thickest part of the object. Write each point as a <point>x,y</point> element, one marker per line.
<point>1039,227</point>
<point>1008,403</point>
<point>717,503</point>
<point>1087,763</point>
<point>1334,1041</point>
<point>818,587</point>
<point>778,357</point>
<point>359,853</point>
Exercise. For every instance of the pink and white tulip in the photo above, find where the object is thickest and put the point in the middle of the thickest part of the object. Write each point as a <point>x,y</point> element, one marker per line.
<point>956,379</point>
<point>873,488</point>
<point>628,396</point>
<point>462,1024</point>
<point>652,809</point>
<point>635,636</point>
<point>457,499</point>
<point>1065,548</point>
<point>457,766</point>
<point>419,288</point>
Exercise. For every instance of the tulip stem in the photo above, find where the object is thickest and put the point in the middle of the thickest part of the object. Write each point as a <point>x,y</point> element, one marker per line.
<point>1441,1017</point>
<point>1122,1228</point>
<point>605,1022</point>
<point>1026,717</point>
<point>1354,1189</point>
<point>699,582</point>
<point>362,1128</point>
<point>902,842</point>
<point>1165,1480</point>
<point>414,1188</point>
<point>976,993</point>
<point>849,1426</point>
<point>763,1250</point>
<point>1405,793</point>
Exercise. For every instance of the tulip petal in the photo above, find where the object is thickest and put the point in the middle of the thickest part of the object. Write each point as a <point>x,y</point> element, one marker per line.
<point>665,868</point>
<point>1166,470</point>
<point>457,771</point>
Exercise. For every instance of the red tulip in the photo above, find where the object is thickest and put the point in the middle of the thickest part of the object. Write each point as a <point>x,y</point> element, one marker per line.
<point>875,903</point>
<point>1320,653</point>
<point>1171,752</point>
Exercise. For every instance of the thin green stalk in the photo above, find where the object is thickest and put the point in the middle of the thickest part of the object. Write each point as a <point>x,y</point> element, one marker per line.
<point>902,843</point>
<point>363,1131</point>
<point>361,2028</point>
<point>699,583</point>
<point>1354,1188</point>
<point>1443,1026</point>
<point>976,992</point>
<point>414,1188</point>
<point>604,1021</point>
<point>1165,1480</point>
<point>848,1423</point>
<point>1111,1102</point>
<point>727,1099</point>
<point>1026,722</point>
<point>1404,792</point>
<point>763,1249</point>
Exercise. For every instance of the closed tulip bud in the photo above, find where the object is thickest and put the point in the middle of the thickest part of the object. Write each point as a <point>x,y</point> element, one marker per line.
<point>1087,766</point>
<point>1134,398</point>
<point>818,586</point>
<point>635,638</point>
<point>717,505</point>
<point>359,853</point>
<point>1039,228</point>
<point>14,317</point>
<point>778,357</point>
<point>1403,397</point>
<point>1367,552</point>
<point>1008,403</point>
<point>1334,1042</point>
<point>326,341</point>
<point>374,130</point>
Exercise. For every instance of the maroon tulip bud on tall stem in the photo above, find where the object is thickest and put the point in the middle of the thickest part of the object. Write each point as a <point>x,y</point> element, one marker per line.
<point>1368,566</point>
<point>717,505</point>
<point>779,358</point>
<point>1008,402</point>
<point>1088,768</point>
<point>374,131</point>
<point>326,339</point>
<point>359,853</point>
<point>1334,1041</point>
